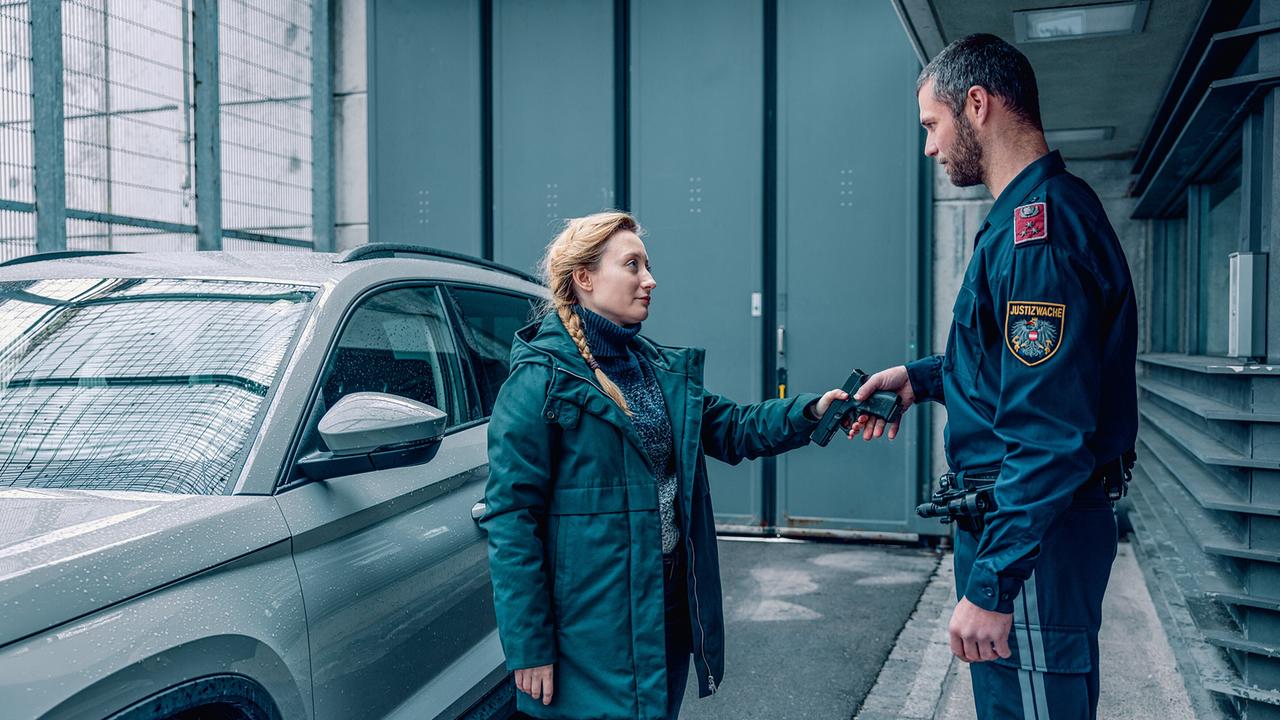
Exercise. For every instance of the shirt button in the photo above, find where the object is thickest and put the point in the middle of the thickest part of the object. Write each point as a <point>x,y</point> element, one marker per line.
<point>988,592</point>
<point>551,414</point>
<point>1004,596</point>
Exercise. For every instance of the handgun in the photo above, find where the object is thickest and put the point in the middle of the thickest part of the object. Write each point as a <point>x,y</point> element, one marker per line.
<point>884,404</point>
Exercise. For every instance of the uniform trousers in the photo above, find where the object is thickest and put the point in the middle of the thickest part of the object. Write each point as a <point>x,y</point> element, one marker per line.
<point>1053,672</point>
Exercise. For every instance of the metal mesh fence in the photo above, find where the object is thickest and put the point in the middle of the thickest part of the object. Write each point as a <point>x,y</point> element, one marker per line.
<point>265,84</point>
<point>17,233</point>
<point>130,123</point>
<point>96,235</point>
<point>128,109</point>
<point>17,181</point>
<point>17,163</point>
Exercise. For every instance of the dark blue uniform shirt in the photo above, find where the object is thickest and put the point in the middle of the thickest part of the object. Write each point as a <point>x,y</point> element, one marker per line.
<point>1038,376</point>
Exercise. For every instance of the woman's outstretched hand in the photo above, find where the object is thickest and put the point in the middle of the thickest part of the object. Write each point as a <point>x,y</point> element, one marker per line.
<point>537,682</point>
<point>824,402</point>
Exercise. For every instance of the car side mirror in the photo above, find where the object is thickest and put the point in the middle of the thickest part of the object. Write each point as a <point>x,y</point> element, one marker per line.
<point>368,431</point>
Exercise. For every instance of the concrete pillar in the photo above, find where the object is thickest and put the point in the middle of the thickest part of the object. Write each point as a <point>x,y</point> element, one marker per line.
<point>47,108</point>
<point>958,213</point>
<point>208,122</point>
<point>351,123</point>
<point>322,135</point>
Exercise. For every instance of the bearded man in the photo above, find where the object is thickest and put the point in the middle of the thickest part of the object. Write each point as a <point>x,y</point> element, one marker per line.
<point>1038,382</point>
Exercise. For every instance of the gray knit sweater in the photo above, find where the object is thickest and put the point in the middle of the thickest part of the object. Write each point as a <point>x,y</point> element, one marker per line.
<point>609,344</point>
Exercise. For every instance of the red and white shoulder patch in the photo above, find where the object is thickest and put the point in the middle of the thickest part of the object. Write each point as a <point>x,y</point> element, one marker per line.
<point>1030,222</point>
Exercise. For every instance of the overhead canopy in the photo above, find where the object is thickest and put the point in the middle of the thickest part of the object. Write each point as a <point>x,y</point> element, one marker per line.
<point>1115,81</point>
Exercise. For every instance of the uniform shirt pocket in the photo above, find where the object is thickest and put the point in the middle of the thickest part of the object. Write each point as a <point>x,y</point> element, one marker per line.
<point>964,356</point>
<point>965,307</point>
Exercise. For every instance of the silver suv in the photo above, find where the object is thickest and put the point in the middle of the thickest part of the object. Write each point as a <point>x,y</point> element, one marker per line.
<point>246,485</point>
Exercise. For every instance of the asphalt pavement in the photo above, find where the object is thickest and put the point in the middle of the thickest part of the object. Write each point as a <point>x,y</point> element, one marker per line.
<point>808,626</point>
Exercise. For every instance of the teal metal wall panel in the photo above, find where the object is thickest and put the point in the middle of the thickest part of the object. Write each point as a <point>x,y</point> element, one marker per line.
<point>553,116</point>
<point>425,129</point>
<point>848,247</point>
<point>696,127</point>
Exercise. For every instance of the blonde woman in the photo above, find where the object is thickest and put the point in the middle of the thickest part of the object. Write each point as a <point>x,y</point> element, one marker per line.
<point>602,542</point>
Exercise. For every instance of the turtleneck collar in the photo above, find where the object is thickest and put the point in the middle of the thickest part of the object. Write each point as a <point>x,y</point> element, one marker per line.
<point>605,337</point>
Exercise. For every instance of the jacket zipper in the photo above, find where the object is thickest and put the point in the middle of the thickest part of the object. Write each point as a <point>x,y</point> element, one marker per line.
<point>697,611</point>
<point>585,380</point>
<point>697,605</point>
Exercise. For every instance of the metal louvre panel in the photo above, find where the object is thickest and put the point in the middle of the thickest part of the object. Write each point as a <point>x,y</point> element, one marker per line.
<point>1205,514</point>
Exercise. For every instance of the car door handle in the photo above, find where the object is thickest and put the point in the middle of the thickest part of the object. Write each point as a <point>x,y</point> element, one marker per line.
<point>478,510</point>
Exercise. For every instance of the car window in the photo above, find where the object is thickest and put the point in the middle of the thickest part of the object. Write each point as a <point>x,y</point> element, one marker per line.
<point>398,342</point>
<point>489,324</point>
<point>137,384</point>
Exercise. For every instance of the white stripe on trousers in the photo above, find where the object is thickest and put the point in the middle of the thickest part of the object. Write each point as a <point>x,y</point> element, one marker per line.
<point>1035,703</point>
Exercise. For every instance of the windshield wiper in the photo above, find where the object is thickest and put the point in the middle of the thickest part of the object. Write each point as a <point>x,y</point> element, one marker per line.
<point>236,381</point>
<point>296,296</point>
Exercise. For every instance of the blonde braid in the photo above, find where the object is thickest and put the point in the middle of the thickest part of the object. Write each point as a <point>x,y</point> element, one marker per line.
<point>573,324</point>
<point>580,245</point>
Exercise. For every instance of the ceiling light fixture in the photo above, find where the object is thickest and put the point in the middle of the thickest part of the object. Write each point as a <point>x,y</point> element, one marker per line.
<point>1077,21</point>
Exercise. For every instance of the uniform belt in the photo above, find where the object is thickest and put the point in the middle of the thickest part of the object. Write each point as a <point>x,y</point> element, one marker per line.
<point>1111,470</point>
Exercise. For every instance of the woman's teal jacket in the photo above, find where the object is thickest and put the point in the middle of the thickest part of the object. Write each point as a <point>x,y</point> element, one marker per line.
<point>575,548</point>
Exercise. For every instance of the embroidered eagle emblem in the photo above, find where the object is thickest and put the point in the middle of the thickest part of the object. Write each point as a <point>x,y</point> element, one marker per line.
<point>1032,338</point>
<point>1033,330</point>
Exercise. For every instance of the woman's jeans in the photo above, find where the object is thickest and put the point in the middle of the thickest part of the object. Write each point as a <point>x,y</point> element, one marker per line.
<point>678,631</point>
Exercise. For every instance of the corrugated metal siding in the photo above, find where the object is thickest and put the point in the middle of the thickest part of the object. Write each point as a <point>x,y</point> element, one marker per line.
<point>1206,498</point>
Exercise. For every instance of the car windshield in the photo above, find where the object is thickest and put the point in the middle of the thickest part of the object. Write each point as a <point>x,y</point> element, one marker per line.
<point>137,384</point>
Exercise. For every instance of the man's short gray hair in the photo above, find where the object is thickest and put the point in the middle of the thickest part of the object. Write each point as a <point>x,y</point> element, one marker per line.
<point>990,63</point>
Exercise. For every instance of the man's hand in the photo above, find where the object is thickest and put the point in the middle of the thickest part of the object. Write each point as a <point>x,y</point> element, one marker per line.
<point>537,682</point>
<point>894,380</point>
<point>979,635</point>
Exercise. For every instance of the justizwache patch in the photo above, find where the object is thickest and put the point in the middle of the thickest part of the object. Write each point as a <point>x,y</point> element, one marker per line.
<point>1033,330</point>
<point>1030,222</point>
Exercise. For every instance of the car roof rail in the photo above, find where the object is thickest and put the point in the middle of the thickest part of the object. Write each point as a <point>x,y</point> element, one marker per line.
<point>371,251</point>
<point>60,254</point>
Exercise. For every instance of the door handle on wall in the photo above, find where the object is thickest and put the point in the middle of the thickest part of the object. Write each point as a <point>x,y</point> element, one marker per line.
<point>782,339</point>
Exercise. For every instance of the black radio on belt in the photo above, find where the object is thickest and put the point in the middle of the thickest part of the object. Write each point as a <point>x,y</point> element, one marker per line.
<point>966,507</point>
<point>1114,476</point>
<point>884,405</point>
